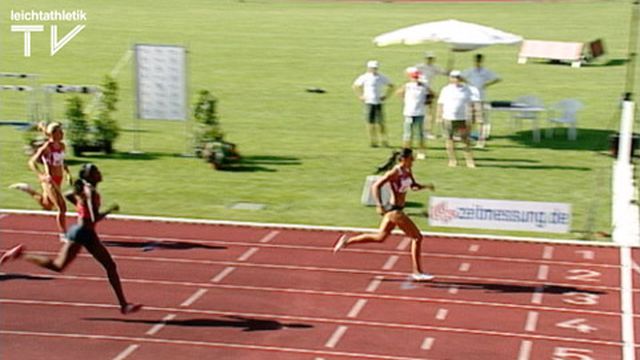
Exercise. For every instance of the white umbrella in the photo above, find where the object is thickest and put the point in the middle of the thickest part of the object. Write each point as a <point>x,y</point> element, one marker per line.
<point>460,35</point>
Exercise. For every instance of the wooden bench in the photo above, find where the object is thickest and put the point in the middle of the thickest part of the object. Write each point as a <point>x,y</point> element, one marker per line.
<point>574,52</point>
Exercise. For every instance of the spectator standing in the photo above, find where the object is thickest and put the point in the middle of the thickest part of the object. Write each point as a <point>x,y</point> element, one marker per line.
<point>414,94</point>
<point>457,104</point>
<point>481,78</point>
<point>373,88</point>
<point>429,70</point>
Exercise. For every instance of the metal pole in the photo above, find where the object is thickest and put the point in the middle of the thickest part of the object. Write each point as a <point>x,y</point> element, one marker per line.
<point>634,27</point>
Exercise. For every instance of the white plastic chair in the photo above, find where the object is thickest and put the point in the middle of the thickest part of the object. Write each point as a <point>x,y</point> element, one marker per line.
<point>528,101</point>
<point>565,112</point>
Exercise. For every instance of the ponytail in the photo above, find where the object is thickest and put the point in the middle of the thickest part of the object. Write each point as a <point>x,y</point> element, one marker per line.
<point>391,161</point>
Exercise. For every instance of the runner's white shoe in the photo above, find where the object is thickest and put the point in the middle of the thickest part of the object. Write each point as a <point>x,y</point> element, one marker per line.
<point>11,254</point>
<point>422,277</point>
<point>342,241</point>
<point>130,308</point>
<point>22,187</point>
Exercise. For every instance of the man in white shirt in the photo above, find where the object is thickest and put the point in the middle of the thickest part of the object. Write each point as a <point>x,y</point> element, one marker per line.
<point>370,89</point>
<point>429,71</point>
<point>481,78</point>
<point>457,104</point>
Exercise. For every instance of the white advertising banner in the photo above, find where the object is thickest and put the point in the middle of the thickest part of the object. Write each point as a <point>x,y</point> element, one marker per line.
<point>161,82</point>
<point>500,214</point>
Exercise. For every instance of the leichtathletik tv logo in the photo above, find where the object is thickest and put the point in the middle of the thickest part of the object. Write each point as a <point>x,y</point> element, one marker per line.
<point>32,23</point>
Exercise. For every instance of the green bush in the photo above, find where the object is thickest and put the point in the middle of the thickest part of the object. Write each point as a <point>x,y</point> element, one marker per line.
<point>106,128</point>
<point>78,131</point>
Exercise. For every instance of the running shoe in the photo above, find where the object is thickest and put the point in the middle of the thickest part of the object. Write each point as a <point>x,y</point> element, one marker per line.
<point>22,187</point>
<point>12,254</point>
<point>342,241</point>
<point>63,238</point>
<point>422,277</point>
<point>130,309</point>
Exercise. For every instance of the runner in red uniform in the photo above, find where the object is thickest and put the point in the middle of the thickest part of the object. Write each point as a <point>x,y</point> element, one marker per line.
<point>87,199</point>
<point>400,179</point>
<point>51,155</point>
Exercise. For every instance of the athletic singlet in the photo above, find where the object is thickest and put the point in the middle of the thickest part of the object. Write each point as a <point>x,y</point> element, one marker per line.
<point>55,157</point>
<point>83,206</point>
<point>403,181</point>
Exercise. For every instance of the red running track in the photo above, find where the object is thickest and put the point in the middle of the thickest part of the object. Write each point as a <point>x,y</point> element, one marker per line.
<point>248,292</point>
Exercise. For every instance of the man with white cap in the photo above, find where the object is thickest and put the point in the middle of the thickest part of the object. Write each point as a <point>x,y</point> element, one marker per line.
<point>429,70</point>
<point>457,105</point>
<point>370,89</point>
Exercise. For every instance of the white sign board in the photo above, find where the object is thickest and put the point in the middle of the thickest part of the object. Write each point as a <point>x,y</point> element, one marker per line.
<point>500,214</point>
<point>161,82</point>
<point>367,192</point>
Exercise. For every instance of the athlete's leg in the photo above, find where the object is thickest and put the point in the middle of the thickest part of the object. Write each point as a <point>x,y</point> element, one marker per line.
<point>67,253</point>
<point>54,195</point>
<point>386,226</point>
<point>101,254</point>
<point>411,230</point>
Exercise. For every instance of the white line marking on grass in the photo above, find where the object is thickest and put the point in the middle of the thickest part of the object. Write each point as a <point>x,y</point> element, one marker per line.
<point>525,350</point>
<point>536,297</point>
<point>391,262</point>
<point>442,314</point>
<point>121,63</point>
<point>427,344</point>
<point>223,274</point>
<point>126,352</point>
<point>464,267</point>
<point>547,253</point>
<point>532,321</point>
<point>374,284</point>
<point>543,273</point>
<point>404,244</point>
<point>336,336</point>
<point>474,248</point>
<point>270,236</point>
<point>357,307</point>
<point>193,298</point>
<point>453,289</point>
<point>247,254</point>
<point>157,327</point>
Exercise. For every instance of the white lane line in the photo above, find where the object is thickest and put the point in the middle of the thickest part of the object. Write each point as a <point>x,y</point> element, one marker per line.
<point>635,267</point>
<point>270,236</point>
<point>525,350</point>
<point>357,307</point>
<point>474,248</point>
<point>157,327</point>
<point>547,253</point>
<point>543,273</point>
<point>247,254</point>
<point>464,267</point>
<point>296,247</point>
<point>223,274</point>
<point>427,344</point>
<point>341,322</point>
<point>587,254</point>
<point>193,298</point>
<point>442,314</point>
<point>626,304</point>
<point>391,262</point>
<point>374,284</point>
<point>536,297</point>
<point>404,244</point>
<point>126,352</point>
<point>532,321</point>
<point>336,336</point>
<point>453,289</point>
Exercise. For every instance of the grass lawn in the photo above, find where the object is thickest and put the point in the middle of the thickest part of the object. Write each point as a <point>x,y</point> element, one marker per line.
<point>306,155</point>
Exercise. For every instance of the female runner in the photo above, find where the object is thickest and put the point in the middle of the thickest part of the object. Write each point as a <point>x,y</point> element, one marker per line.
<point>400,179</point>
